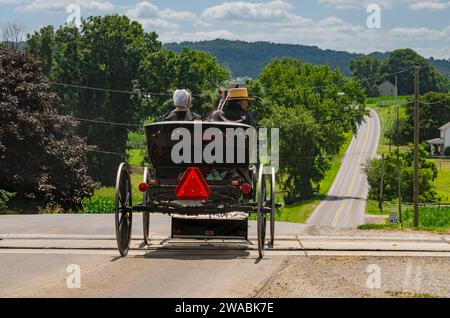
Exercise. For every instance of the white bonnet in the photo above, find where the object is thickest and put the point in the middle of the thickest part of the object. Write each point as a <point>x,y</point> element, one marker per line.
<point>181,97</point>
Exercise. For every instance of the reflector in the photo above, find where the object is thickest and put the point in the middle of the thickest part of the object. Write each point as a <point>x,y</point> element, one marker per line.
<point>192,186</point>
<point>246,188</point>
<point>143,187</point>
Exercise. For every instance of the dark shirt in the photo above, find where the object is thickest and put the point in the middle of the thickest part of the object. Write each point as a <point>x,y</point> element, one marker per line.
<point>181,115</point>
<point>234,112</point>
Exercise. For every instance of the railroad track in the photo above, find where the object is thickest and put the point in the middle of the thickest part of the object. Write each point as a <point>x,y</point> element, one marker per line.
<point>292,245</point>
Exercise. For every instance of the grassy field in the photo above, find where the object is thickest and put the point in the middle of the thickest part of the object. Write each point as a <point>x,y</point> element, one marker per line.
<point>384,106</point>
<point>300,212</point>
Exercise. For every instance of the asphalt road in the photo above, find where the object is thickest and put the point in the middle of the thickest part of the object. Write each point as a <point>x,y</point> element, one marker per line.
<point>36,252</point>
<point>345,204</point>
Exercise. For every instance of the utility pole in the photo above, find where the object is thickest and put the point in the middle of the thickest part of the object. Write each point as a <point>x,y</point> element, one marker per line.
<point>397,140</point>
<point>380,203</point>
<point>416,147</point>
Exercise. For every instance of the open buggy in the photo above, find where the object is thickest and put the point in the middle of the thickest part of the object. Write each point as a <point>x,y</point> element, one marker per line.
<point>198,194</point>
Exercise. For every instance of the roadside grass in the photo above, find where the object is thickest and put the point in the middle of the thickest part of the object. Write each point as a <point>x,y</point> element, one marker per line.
<point>434,219</point>
<point>300,212</point>
<point>373,208</point>
<point>384,106</point>
<point>103,200</point>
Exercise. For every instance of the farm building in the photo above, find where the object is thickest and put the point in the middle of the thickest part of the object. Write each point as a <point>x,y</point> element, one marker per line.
<point>386,89</point>
<point>438,145</point>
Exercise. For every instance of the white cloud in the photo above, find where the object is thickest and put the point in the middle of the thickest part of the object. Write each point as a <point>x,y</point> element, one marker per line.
<point>418,34</point>
<point>61,5</point>
<point>271,11</point>
<point>149,15</point>
<point>341,4</point>
<point>429,5</point>
<point>356,4</point>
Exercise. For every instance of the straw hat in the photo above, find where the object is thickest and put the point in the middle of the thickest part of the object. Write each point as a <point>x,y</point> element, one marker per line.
<point>238,94</point>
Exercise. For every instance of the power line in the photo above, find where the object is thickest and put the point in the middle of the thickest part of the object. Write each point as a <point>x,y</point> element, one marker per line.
<point>113,90</point>
<point>106,152</point>
<point>104,122</point>
<point>435,102</point>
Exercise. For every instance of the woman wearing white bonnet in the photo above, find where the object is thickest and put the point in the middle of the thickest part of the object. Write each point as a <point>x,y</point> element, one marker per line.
<point>182,100</point>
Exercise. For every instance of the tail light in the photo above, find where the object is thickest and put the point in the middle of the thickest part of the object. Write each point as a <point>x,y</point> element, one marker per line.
<point>246,188</point>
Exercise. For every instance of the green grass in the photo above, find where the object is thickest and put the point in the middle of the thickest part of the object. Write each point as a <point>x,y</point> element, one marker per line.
<point>434,219</point>
<point>103,199</point>
<point>135,157</point>
<point>300,212</point>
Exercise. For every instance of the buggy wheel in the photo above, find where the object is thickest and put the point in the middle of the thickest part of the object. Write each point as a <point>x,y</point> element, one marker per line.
<point>123,215</point>
<point>262,217</point>
<point>272,207</point>
<point>146,215</point>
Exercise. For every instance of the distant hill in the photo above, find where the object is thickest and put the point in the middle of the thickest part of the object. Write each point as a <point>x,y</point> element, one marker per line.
<point>249,59</point>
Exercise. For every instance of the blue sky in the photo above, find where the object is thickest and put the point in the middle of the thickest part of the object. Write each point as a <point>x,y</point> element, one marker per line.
<point>423,25</point>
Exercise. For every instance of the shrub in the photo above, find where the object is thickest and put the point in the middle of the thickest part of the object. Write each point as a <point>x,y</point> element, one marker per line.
<point>98,205</point>
<point>42,158</point>
<point>428,173</point>
<point>5,196</point>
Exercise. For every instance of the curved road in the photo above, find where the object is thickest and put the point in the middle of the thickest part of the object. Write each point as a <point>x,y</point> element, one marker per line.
<point>345,204</point>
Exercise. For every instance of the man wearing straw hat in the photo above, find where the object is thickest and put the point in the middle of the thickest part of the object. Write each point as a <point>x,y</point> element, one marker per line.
<point>235,107</point>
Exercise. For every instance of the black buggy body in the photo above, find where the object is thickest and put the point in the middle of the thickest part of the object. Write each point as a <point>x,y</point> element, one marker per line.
<point>196,179</point>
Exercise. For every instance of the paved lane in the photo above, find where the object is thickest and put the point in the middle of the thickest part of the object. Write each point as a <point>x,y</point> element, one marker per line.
<point>346,201</point>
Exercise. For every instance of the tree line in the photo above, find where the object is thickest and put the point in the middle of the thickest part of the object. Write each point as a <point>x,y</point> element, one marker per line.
<point>371,72</point>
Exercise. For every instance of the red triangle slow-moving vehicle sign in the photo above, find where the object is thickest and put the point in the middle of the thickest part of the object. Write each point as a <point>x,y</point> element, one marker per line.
<point>192,186</point>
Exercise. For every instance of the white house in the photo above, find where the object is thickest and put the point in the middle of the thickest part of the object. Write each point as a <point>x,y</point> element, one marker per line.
<point>438,145</point>
<point>386,88</point>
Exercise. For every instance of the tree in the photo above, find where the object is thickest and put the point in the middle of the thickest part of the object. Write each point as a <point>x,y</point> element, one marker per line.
<point>314,107</point>
<point>41,44</point>
<point>366,70</point>
<point>401,64</point>
<point>42,159</point>
<point>13,35</point>
<point>427,174</point>
<point>434,112</point>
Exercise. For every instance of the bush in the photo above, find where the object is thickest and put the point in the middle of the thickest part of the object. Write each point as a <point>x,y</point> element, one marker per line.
<point>427,172</point>
<point>98,205</point>
<point>5,196</point>
<point>447,151</point>
<point>42,158</point>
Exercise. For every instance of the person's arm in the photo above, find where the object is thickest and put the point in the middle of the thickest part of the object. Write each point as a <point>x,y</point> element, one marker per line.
<point>251,120</point>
